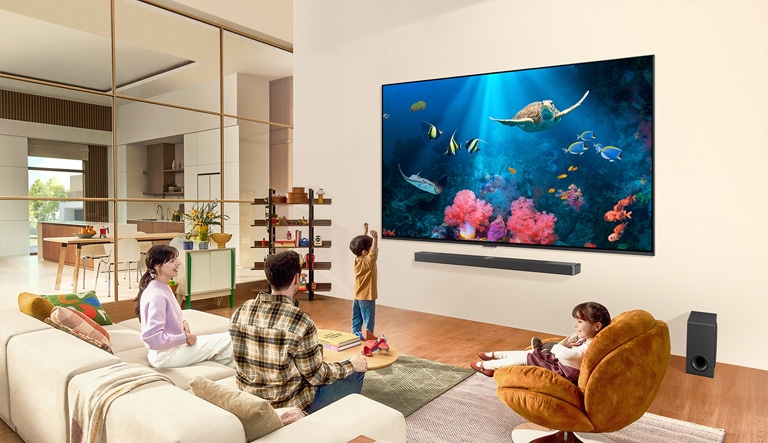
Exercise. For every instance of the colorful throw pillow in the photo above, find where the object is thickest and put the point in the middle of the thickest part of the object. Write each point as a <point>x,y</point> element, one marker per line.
<point>34,305</point>
<point>85,302</point>
<point>79,322</point>
<point>256,414</point>
<point>81,336</point>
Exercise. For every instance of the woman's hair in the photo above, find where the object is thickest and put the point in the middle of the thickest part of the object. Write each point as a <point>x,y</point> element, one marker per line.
<point>281,268</point>
<point>156,255</point>
<point>360,243</point>
<point>593,313</point>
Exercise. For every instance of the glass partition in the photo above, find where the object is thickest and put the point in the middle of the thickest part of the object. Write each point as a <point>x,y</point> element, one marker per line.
<point>38,36</point>
<point>173,145</point>
<point>166,57</point>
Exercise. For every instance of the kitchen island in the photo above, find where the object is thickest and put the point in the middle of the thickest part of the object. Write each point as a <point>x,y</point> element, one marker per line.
<point>52,252</point>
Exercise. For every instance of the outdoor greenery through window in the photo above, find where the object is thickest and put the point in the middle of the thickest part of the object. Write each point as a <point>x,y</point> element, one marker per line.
<point>53,177</point>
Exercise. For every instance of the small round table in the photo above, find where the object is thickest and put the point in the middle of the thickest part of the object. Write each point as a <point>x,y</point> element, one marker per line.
<point>379,359</point>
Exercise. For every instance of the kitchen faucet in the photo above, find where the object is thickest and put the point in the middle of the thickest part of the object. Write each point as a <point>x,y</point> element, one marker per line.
<point>159,210</point>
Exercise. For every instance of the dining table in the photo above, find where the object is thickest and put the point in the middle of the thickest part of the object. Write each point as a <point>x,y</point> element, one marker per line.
<point>79,242</point>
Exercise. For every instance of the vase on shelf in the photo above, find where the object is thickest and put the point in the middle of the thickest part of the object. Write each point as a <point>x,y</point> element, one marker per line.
<point>202,245</point>
<point>188,245</point>
<point>202,233</point>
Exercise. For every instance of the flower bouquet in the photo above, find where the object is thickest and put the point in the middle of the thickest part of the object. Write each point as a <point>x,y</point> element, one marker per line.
<point>201,218</point>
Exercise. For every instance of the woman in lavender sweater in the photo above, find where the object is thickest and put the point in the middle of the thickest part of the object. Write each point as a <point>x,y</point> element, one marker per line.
<point>164,331</point>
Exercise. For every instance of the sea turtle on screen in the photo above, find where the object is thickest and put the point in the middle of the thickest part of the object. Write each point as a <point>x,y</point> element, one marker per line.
<point>538,116</point>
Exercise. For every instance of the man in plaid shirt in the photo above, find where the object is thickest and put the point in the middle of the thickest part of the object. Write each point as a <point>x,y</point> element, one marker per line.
<point>276,351</point>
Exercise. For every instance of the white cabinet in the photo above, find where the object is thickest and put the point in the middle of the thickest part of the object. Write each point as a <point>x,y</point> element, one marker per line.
<point>210,273</point>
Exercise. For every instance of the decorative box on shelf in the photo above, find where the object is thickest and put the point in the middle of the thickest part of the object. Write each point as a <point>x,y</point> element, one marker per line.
<point>297,195</point>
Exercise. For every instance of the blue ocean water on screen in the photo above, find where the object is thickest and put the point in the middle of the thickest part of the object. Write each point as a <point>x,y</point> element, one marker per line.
<point>592,170</point>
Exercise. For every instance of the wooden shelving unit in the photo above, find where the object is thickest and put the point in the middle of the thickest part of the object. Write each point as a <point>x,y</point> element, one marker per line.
<point>272,245</point>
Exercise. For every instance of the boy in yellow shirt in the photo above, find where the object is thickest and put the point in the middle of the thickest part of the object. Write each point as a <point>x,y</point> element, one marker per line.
<point>366,292</point>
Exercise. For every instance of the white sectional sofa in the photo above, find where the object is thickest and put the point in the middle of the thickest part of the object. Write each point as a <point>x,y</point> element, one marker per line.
<point>41,369</point>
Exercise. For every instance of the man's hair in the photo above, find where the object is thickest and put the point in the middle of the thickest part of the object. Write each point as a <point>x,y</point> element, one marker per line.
<point>593,313</point>
<point>360,244</point>
<point>282,268</point>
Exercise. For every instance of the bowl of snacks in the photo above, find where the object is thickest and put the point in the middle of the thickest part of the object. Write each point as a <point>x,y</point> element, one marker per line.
<point>85,235</point>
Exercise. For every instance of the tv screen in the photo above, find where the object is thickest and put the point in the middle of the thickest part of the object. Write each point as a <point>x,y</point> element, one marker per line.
<point>557,157</point>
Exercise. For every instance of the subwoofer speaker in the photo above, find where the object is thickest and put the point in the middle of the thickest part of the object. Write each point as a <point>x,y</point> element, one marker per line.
<point>701,344</point>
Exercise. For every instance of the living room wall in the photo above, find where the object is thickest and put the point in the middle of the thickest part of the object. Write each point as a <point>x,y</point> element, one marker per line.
<point>710,140</point>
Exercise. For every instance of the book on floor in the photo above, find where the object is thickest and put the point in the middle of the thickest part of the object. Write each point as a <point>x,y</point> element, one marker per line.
<point>336,338</point>
<point>341,348</point>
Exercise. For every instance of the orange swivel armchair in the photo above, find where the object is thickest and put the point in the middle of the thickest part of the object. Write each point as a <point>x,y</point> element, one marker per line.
<point>620,376</point>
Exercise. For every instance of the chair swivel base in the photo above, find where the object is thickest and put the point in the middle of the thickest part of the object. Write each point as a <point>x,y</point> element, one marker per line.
<point>533,433</point>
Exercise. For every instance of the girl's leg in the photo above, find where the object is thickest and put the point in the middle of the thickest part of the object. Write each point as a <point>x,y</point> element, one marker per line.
<point>216,347</point>
<point>507,358</point>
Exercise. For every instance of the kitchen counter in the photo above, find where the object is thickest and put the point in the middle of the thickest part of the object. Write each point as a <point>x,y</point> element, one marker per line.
<point>151,225</point>
<point>66,228</point>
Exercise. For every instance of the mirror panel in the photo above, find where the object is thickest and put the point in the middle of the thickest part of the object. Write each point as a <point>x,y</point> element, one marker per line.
<point>165,154</point>
<point>51,123</point>
<point>34,37</point>
<point>165,57</point>
<point>249,69</point>
<point>246,171</point>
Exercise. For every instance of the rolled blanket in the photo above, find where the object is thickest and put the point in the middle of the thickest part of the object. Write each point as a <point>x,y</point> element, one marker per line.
<point>94,397</point>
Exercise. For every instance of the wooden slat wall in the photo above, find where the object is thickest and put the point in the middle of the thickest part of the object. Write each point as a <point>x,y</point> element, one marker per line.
<point>95,179</point>
<point>54,111</point>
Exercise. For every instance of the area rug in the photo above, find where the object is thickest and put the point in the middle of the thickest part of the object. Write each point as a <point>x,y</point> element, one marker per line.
<point>411,382</point>
<point>471,412</point>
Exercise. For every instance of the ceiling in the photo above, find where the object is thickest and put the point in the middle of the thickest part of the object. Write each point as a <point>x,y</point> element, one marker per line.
<point>155,51</point>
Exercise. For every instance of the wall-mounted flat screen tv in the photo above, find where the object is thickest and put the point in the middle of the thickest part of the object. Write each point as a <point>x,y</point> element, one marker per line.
<point>558,157</point>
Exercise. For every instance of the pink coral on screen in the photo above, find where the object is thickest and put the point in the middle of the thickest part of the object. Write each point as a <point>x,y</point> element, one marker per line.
<point>527,225</point>
<point>468,213</point>
<point>572,197</point>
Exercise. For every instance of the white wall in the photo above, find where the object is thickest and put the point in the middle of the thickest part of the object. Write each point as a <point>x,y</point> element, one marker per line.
<point>14,215</point>
<point>711,157</point>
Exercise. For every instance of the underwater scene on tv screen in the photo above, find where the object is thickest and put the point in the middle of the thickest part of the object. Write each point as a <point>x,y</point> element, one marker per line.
<point>559,157</point>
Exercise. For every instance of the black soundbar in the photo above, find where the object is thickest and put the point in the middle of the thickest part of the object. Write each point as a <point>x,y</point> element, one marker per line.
<point>512,264</point>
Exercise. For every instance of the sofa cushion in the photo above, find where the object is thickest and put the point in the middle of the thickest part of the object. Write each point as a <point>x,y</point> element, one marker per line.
<point>99,344</point>
<point>85,302</point>
<point>77,321</point>
<point>256,414</point>
<point>200,322</point>
<point>34,305</point>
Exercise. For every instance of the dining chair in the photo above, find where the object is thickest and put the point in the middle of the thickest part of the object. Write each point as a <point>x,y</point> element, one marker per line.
<point>143,248</point>
<point>128,254</point>
<point>93,252</point>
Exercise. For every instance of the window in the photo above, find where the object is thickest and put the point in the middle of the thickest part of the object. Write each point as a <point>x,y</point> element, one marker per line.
<point>53,177</point>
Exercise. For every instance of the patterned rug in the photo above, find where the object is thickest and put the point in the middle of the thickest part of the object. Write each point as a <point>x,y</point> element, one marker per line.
<point>411,382</point>
<point>471,412</point>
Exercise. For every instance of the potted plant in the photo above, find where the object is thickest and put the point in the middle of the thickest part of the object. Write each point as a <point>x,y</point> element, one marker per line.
<point>202,238</point>
<point>188,243</point>
<point>201,218</point>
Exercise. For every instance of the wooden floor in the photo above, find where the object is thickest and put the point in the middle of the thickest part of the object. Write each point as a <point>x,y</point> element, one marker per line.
<point>736,399</point>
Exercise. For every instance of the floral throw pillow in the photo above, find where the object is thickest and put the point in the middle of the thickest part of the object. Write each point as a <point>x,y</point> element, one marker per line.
<point>85,302</point>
